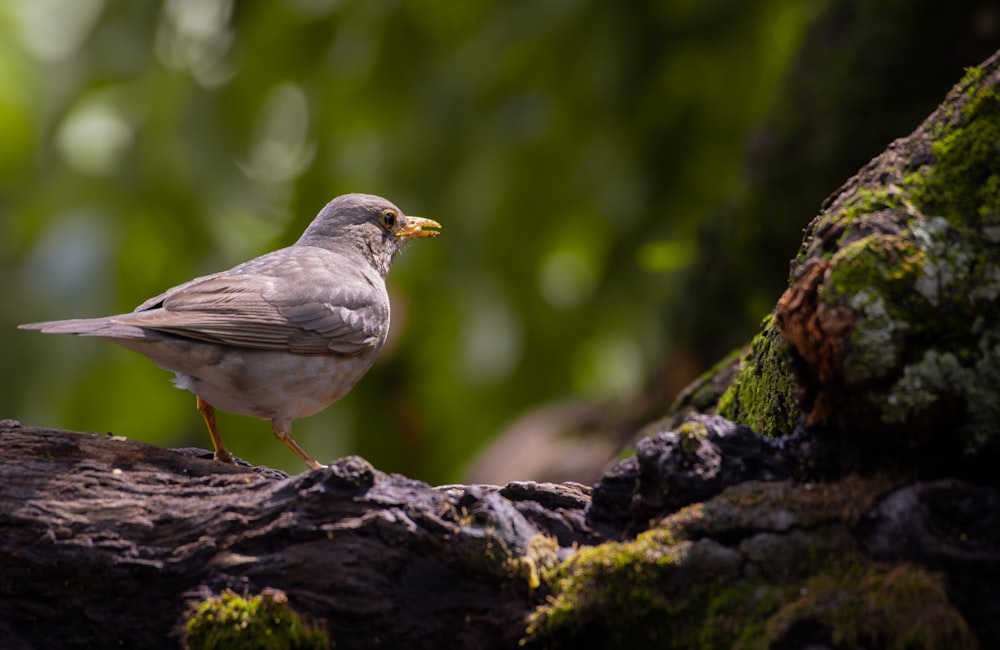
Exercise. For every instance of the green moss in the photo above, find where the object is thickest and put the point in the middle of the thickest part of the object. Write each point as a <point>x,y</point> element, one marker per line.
<point>495,550</point>
<point>972,76</point>
<point>961,184</point>
<point>690,434</point>
<point>262,622</point>
<point>866,201</point>
<point>777,505</point>
<point>923,292</point>
<point>921,338</point>
<point>876,277</point>
<point>762,396</point>
<point>540,557</point>
<point>631,594</point>
<point>735,616</point>
<point>789,563</point>
<point>872,605</point>
<point>846,219</point>
<point>890,263</point>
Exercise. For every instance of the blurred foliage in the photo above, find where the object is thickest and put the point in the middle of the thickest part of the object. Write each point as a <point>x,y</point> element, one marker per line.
<point>572,151</point>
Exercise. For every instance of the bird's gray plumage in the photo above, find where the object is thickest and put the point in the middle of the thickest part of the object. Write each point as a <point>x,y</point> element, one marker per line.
<point>316,303</point>
<point>314,297</point>
<point>324,296</point>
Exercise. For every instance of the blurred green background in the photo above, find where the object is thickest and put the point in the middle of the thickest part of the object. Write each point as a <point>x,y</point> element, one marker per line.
<point>620,185</point>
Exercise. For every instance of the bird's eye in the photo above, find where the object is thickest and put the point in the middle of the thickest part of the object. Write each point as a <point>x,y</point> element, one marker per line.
<point>389,219</point>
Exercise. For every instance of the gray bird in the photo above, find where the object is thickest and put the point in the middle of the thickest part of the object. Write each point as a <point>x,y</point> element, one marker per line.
<point>282,336</point>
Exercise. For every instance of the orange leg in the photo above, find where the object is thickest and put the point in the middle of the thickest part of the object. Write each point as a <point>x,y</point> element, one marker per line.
<point>283,431</point>
<point>208,412</point>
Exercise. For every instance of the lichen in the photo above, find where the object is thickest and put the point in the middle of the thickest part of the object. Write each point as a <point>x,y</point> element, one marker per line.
<point>925,296</point>
<point>762,396</point>
<point>943,373</point>
<point>875,276</point>
<point>262,622</point>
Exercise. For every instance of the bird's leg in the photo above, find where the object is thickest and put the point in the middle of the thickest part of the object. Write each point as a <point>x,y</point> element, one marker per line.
<point>208,412</point>
<point>283,431</point>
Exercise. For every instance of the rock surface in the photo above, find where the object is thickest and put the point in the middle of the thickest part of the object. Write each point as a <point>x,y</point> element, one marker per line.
<point>887,340</point>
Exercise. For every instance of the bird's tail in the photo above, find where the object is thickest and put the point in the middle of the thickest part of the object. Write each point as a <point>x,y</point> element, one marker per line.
<point>103,327</point>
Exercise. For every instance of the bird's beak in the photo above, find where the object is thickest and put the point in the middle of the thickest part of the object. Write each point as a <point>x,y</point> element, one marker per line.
<point>413,228</point>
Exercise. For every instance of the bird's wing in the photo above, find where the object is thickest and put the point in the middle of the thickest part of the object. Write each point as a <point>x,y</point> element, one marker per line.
<point>270,313</point>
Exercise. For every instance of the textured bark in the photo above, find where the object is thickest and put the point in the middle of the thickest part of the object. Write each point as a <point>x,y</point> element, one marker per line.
<point>106,542</point>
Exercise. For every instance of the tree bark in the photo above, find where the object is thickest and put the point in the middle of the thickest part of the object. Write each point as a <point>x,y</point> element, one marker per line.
<point>107,541</point>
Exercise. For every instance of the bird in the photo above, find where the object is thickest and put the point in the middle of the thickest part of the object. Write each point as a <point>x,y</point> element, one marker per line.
<point>279,337</point>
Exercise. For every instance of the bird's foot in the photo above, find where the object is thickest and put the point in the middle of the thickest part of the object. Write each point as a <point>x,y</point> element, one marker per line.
<point>223,455</point>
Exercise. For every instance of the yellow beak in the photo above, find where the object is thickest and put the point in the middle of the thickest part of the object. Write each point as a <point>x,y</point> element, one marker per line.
<point>413,228</point>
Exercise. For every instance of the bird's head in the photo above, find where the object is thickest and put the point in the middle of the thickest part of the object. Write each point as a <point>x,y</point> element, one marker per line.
<point>367,223</point>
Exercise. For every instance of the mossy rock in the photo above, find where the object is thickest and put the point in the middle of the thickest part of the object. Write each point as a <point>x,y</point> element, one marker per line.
<point>762,565</point>
<point>889,334</point>
<point>763,393</point>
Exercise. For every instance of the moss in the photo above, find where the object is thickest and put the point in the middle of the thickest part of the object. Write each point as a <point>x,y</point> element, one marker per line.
<point>262,622</point>
<point>690,434</point>
<point>651,593</point>
<point>872,605</point>
<point>502,550</point>
<point>915,260</point>
<point>894,300</point>
<point>900,339</point>
<point>735,616</point>
<point>962,182</point>
<point>867,201</point>
<point>917,297</point>
<point>788,564</point>
<point>846,220</point>
<point>762,396</point>
<point>890,262</point>
<point>920,294</point>
<point>972,76</point>
<point>541,556</point>
<point>631,594</point>
<point>778,505</point>
<point>876,277</point>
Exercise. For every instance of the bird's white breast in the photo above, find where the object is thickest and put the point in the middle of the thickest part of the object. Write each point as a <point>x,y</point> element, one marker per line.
<point>266,384</point>
<point>275,385</point>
